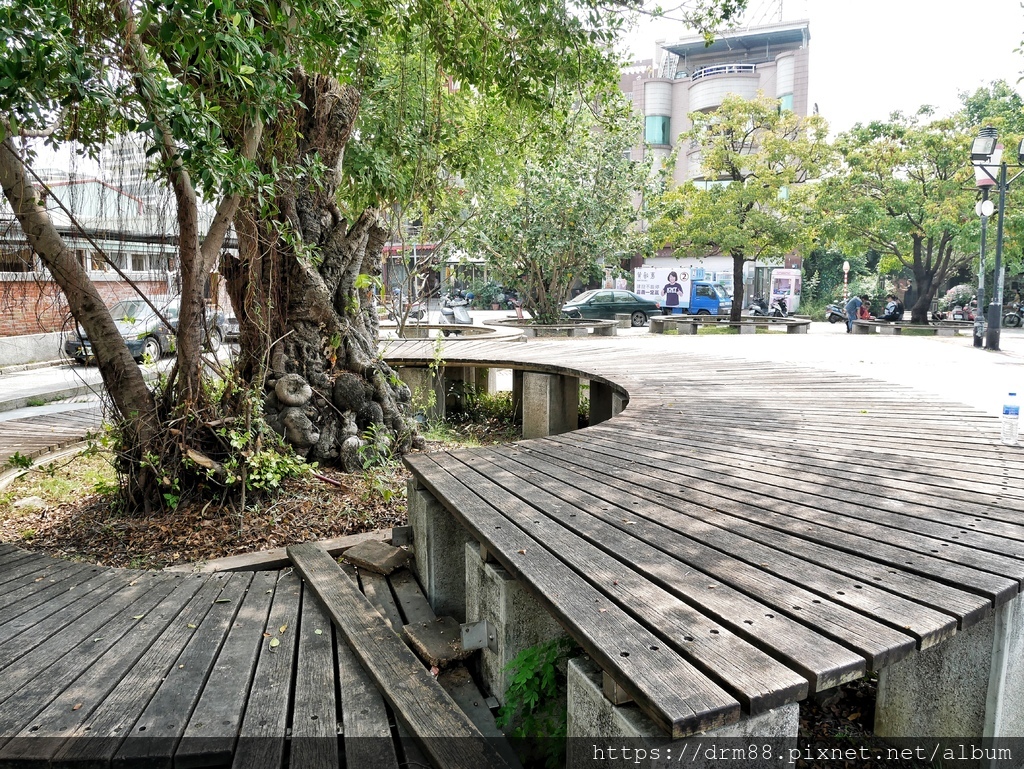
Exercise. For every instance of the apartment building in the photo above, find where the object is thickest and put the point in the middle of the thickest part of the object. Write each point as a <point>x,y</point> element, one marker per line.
<point>690,76</point>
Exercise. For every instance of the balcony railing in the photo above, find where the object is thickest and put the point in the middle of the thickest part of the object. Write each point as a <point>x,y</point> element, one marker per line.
<point>723,69</point>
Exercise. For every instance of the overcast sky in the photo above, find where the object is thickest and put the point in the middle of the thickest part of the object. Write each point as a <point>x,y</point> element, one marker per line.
<point>871,57</point>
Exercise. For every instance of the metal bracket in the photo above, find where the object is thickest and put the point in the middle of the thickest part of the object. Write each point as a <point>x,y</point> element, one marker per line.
<point>479,635</point>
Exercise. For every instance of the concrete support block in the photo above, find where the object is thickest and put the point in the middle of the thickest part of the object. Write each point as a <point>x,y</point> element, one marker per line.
<point>860,328</point>
<point>944,331</point>
<point>655,325</point>
<point>686,329</point>
<point>517,394</point>
<point>458,382</point>
<point>551,404</point>
<point>623,319</point>
<point>890,330</point>
<point>748,328</point>
<point>486,381</point>
<point>967,688</point>
<point>422,381</point>
<point>600,402</point>
<point>593,720</point>
<point>519,622</point>
<point>439,546</point>
<point>797,328</point>
<point>605,402</point>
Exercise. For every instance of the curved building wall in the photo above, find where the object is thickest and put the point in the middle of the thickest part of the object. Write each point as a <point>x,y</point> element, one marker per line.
<point>708,92</point>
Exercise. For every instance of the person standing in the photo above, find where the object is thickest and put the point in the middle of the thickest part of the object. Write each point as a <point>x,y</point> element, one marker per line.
<point>852,310</point>
<point>672,292</point>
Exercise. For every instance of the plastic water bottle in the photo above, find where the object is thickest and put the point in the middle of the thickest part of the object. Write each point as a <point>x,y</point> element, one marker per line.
<point>1011,412</point>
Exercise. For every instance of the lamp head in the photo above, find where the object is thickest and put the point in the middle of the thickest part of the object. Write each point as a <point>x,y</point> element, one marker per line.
<point>984,144</point>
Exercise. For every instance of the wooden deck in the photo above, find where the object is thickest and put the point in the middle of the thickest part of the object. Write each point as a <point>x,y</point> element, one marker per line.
<point>34,436</point>
<point>736,539</point>
<point>120,668</point>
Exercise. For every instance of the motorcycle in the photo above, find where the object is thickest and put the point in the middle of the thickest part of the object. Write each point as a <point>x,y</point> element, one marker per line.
<point>759,307</point>
<point>834,314</point>
<point>455,312</point>
<point>966,312</point>
<point>1015,318</point>
<point>779,309</point>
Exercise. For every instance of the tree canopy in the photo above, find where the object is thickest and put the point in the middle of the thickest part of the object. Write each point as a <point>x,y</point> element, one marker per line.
<point>749,203</point>
<point>569,208</point>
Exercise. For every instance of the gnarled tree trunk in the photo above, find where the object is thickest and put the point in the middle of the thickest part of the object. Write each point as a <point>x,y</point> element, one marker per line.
<point>307,319</point>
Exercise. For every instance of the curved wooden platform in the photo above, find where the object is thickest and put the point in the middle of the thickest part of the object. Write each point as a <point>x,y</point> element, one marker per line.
<point>731,542</point>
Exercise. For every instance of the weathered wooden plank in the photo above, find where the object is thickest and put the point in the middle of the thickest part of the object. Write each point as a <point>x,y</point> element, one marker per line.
<point>58,598</point>
<point>212,730</point>
<point>154,737</point>
<point>786,557</point>
<point>887,506</point>
<point>411,601</point>
<point>117,653</point>
<point>410,689</point>
<point>722,653</point>
<point>81,637</point>
<point>261,740</point>
<point>855,530</point>
<point>314,743</point>
<point>94,738</point>
<point>670,690</point>
<point>368,740</point>
<point>378,593</point>
<point>23,595</point>
<point>277,558</point>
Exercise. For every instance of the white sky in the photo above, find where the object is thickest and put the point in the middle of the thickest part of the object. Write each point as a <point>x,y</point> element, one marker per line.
<point>871,57</point>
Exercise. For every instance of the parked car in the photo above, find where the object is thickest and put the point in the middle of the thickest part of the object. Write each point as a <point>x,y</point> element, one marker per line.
<point>606,303</point>
<point>145,334</point>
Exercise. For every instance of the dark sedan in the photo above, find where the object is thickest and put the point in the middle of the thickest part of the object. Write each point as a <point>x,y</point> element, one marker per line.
<point>606,303</point>
<point>145,334</point>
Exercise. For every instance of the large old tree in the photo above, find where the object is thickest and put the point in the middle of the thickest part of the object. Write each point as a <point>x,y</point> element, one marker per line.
<point>250,105</point>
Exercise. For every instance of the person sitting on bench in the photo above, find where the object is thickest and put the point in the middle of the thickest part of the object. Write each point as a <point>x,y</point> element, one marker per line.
<point>893,309</point>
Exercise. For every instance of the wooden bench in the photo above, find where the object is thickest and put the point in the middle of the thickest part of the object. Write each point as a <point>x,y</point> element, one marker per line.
<point>709,578</point>
<point>689,324</point>
<point>941,328</point>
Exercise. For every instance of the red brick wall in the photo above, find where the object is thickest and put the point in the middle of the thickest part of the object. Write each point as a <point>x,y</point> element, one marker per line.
<point>38,307</point>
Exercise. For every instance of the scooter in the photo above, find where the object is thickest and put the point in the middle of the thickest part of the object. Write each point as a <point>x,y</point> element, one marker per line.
<point>1015,318</point>
<point>779,309</point>
<point>455,312</point>
<point>834,314</point>
<point>759,307</point>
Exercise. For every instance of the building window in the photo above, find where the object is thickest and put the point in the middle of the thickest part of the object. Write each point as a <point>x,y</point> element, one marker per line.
<point>97,263</point>
<point>20,260</point>
<point>786,102</point>
<point>657,129</point>
<point>138,262</point>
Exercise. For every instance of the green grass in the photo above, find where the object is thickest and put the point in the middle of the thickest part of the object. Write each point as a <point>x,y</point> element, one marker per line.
<point>81,473</point>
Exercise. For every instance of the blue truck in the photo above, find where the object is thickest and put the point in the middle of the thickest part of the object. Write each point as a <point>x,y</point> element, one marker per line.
<point>681,290</point>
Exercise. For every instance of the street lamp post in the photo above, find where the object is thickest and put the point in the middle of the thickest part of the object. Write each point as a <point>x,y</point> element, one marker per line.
<point>984,210</point>
<point>987,153</point>
<point>846,282</point>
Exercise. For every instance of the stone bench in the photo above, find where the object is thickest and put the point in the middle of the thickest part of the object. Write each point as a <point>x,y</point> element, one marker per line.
<point>689,324</point>
<point>896,328</point>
